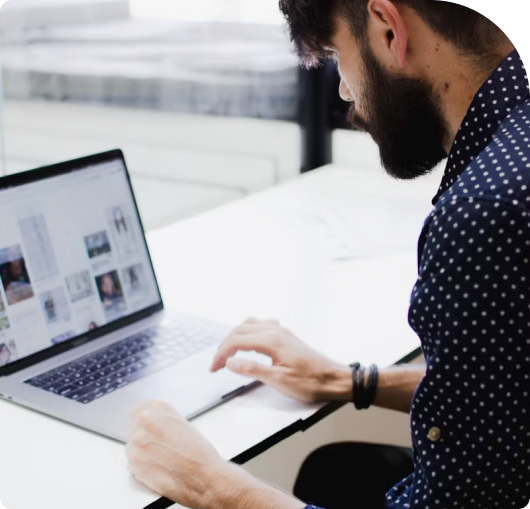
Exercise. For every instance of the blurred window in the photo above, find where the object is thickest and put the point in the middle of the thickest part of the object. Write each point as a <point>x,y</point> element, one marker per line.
<point>201,96</point>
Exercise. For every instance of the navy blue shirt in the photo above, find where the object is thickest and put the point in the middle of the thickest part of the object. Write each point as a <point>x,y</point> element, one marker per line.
<point>470,416</point>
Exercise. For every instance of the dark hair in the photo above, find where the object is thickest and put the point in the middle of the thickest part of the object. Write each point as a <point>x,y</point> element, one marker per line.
<point>312,25</point>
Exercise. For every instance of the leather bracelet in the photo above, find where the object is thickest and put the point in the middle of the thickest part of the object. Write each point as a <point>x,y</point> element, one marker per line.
<point>363,396</point>
<point>370,389</point>
<point>355,368</point>
<point>358,382</point>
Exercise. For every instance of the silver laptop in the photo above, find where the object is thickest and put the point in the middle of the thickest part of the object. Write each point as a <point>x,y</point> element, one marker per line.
<point>83,332</point>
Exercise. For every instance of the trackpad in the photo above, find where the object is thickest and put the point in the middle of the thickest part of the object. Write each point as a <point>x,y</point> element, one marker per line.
<point>189,386</point>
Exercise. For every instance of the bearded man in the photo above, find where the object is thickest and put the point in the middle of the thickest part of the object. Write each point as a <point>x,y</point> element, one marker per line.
<point>428,80</point>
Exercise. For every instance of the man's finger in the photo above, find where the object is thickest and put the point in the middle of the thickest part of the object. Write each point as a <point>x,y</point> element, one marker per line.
<point>250,368</point>
<point>253,328</point>
<point>252,320</point>
<point>262,342</point>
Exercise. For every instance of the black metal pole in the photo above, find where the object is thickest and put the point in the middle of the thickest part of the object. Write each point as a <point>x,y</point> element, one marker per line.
<point>314,118</point>
<point>321,110</point>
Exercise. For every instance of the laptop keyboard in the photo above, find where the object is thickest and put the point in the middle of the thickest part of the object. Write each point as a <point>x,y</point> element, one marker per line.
<point>102,372</point>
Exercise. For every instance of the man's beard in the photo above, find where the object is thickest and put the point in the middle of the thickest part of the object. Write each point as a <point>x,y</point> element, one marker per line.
<point>404,118</point>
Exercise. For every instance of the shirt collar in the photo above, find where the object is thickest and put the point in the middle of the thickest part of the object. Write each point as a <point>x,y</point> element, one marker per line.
<point>505,89</point>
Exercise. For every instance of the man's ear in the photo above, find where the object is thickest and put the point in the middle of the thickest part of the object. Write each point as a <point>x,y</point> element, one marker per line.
<point>389,30</point>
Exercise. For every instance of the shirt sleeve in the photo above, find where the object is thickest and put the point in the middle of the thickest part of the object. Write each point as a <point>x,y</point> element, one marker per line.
<point>471,309</point>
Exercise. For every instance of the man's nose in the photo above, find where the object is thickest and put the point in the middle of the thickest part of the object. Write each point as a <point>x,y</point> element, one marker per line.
<point>345,93</point>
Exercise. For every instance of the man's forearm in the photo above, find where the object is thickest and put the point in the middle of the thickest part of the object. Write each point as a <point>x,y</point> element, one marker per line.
<point>395,388</point>
<point>233,488</point>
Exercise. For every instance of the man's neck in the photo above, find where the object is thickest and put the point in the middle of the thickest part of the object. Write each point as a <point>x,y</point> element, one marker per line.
<point>457,80</point>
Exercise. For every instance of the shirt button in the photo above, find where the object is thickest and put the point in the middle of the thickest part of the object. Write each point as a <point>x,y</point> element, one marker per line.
<point>434,434</point>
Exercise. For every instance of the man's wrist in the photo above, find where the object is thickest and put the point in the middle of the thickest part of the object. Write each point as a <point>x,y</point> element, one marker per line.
<point>336,384</point>
<point>231,487</point>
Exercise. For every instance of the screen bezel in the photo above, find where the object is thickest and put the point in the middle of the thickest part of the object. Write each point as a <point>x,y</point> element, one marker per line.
<point>55,170</point>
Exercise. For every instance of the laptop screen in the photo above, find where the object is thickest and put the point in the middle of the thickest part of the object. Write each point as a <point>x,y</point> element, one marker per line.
<point>73,258</point>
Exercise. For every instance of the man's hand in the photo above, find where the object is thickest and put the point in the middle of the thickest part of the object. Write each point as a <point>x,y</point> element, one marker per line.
<point>297,370</point>
<point>169,456</point>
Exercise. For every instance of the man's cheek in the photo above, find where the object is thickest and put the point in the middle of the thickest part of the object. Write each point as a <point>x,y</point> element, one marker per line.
<point>356,119</point>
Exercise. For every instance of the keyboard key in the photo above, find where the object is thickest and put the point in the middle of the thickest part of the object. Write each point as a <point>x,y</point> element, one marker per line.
<point>36,382</point>
<point>109,379</point>
<point>53,387</point>
<point>61,373</point>
<point>81,391</point>
<point>87,399</point>
<point>63,391</point>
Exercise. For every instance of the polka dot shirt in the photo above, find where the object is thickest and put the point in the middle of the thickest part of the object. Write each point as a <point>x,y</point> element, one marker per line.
<point>470,416</point>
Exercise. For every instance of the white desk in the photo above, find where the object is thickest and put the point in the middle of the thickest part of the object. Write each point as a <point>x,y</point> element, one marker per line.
<point>304,252</point>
